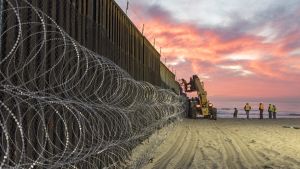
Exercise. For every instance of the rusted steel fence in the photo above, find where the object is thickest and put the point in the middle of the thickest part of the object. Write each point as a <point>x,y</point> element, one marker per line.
<point>64,105</point>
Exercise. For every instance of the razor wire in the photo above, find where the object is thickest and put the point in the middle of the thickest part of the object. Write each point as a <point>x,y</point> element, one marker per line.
<point>64,106</point>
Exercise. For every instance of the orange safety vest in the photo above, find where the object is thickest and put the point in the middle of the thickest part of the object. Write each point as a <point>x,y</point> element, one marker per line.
<point>247,107</point>
<point>261,106</point>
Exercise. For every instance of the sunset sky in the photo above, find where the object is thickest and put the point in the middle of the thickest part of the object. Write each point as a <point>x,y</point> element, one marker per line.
<point>240,48</point>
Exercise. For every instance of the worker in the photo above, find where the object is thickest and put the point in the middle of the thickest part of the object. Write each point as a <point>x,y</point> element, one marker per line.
<point>247,109</point>
<point>214,113</point>
<point>261,110</point>
<point>235,113</point>
<point>274,111</point>
<point>185,85</point>
<point>192,84</point>
<point>197,99</point>
<point>270,110</point>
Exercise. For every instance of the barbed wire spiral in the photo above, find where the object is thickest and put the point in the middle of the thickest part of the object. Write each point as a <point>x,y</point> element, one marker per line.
<point>64,106</point>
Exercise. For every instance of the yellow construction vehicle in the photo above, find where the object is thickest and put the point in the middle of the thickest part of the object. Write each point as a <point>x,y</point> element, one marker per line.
<point>198,106</point>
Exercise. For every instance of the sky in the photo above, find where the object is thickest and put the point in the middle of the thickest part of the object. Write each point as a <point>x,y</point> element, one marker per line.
<point>239,48</point>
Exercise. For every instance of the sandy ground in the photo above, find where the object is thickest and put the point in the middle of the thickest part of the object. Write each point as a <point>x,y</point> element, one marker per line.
<point>225,143</point>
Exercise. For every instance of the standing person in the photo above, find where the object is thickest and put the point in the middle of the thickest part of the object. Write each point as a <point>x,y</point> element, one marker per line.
<point>270,110</point>
<point>274,111</point>
<point>247,109</point>
<point>235,113</point>
<point>261,110</point>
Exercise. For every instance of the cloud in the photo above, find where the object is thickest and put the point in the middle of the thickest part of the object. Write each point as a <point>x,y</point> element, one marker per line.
<point>244,56</point>
<point>256,42</point>
<point>295,52</point>
<point>237,69</point>
<point>268,33</point>
<point>177,61</point>
<point>204,76</point>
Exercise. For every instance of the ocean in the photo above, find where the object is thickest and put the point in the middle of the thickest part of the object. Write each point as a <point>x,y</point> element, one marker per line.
<point>284,109</point>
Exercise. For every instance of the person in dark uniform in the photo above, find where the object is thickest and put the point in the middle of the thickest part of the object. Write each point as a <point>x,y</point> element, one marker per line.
<point>213,111</point>
<point>235,112</point>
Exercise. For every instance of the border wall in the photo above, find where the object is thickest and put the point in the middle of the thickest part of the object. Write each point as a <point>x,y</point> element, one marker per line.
<point>98,25</point>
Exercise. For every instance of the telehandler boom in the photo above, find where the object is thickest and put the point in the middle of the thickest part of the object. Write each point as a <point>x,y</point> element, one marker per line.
<point>199,105</point>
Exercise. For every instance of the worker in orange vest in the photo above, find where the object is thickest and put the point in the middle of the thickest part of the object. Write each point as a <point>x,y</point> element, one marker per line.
<point>247,109</point>
<point>261,110</point>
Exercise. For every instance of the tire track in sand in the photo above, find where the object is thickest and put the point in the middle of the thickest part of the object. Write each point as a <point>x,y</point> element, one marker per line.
<point>190,149</point>
<point>208,153</point>
<point>164,161</point>
<point>233,159</point>
<point>249,157</point>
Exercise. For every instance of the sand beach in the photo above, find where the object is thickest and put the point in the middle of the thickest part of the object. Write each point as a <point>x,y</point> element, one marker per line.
<point>225,143</point>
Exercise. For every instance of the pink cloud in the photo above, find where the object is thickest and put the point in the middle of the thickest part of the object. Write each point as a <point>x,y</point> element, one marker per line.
<point>242,66</point>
